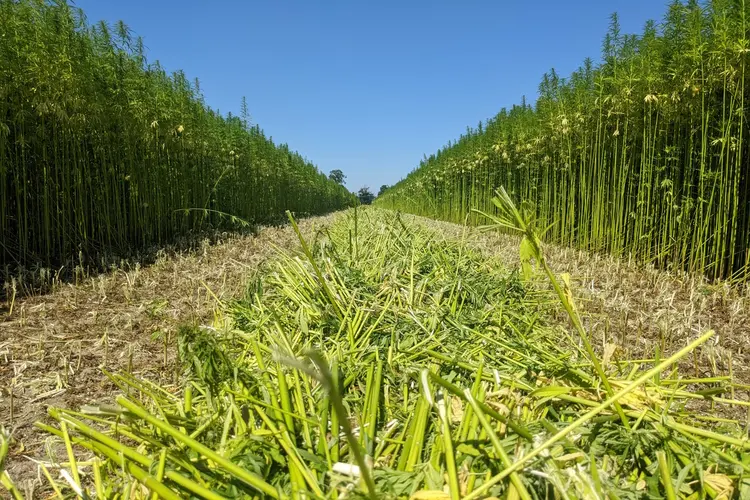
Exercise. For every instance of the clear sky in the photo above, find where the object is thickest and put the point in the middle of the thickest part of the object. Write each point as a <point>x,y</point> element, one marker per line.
<point>368,87</point>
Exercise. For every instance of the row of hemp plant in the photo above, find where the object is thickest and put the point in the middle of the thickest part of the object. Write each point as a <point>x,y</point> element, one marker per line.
<point>645,153</point>
<point>103,151</point>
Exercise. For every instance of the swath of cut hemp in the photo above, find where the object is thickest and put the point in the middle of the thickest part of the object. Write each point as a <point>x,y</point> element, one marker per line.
<point>386,361</point>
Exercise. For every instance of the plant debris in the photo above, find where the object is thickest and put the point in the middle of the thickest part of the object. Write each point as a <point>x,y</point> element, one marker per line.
<point>388,361</point>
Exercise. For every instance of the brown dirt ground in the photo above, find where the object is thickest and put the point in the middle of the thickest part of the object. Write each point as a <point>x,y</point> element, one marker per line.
<point>53,347</point>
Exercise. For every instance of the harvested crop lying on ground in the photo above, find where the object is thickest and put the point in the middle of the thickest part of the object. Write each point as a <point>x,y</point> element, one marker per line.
<point>52,346</point>
<point>387,361</point>
<point>630,309</point>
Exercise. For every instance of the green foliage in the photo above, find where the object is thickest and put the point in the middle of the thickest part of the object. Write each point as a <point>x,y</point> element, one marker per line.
<point>645,154</point>
<point>203,358</point>
<point>365,196</point>
<point>337,176</point>
<point>101,151</point>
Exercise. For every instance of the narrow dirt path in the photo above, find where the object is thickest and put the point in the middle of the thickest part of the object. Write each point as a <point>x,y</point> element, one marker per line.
<point>54,347</point>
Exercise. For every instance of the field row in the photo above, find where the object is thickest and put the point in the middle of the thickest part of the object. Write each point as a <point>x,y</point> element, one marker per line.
<point>104,155</point>
<point>389,360</point>
<point>644,154</point>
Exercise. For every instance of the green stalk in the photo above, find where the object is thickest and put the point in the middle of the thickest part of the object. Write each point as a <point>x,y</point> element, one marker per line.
<point>328,382</point>
<point>110,447</point>
<point>373,407</point>
<point>313,263</point>
<point>591,414</point>
<point>286,443</point>
<point>515,221</point>
<point>497,445</point>
<point>456,391</point>
<point>5,479</point>
<point>243,475</point>
<point>666,476</point>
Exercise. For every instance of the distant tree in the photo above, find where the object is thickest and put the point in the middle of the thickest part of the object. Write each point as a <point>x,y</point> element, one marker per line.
<point>365,196</point>
<point>337,176</point>
<point>383,189</point>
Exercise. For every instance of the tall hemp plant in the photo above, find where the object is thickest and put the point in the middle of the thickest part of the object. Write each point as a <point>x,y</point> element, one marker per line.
<point>102,152</point>
<point>643,154</point>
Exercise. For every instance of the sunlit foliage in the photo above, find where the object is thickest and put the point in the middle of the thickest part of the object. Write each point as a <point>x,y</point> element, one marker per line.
<point>101,150</point>
<point>644,154</point>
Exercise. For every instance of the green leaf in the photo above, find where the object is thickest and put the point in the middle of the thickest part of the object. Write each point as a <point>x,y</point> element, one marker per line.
<point>526,253</point>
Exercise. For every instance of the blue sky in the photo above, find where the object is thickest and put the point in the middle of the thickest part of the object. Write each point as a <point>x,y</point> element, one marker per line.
<point>368,87</point>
